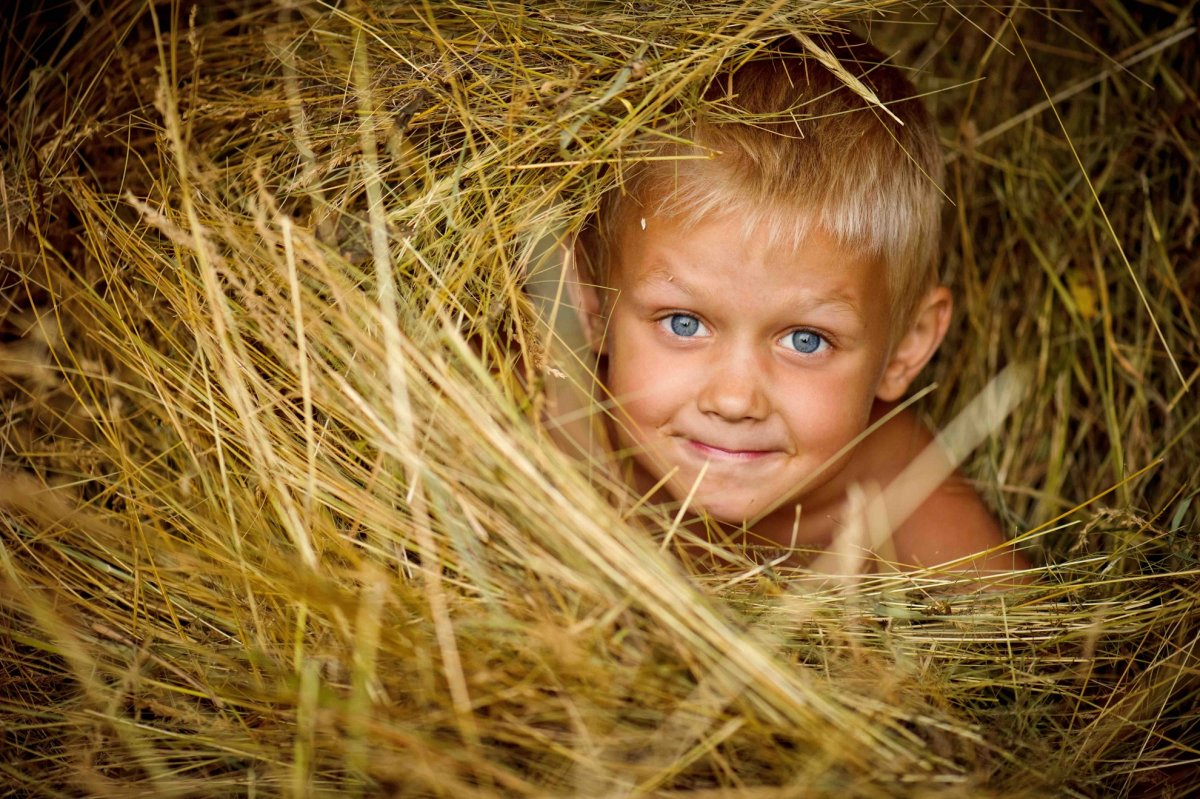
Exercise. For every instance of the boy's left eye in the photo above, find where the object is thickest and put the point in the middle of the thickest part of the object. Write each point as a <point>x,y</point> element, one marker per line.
<point>805,342</point>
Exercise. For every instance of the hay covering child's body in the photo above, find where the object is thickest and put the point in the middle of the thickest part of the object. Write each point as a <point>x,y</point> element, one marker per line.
<point>759,303</point>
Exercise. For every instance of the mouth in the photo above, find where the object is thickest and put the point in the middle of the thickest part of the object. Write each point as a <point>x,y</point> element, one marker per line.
<point>714,452</point>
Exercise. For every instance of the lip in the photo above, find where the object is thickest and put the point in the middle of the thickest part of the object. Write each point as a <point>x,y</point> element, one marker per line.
<point>713,452</point>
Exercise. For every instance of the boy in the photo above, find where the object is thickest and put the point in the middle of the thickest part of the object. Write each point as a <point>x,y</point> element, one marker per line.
<point>762,299</point>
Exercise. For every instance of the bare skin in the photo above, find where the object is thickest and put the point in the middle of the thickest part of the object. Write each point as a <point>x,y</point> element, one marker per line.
<point>744,371</point>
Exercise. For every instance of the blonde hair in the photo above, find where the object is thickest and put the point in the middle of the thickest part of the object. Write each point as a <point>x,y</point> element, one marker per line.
<point>783,141</point>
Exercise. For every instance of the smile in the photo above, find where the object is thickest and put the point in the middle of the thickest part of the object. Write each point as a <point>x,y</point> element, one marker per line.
<point>713,452</point>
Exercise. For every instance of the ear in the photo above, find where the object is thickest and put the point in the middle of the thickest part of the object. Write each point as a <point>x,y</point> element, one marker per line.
<point>917,345</point>
<point>585,297</point>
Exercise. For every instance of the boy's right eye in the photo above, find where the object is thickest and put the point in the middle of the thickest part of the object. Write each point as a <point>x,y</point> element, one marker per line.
<point>683,325</point>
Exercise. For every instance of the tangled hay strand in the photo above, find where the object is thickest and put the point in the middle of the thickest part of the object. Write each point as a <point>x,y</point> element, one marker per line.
<point>279,512</point>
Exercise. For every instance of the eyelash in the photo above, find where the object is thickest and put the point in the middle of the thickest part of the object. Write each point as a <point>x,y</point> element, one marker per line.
<point>666,323</point>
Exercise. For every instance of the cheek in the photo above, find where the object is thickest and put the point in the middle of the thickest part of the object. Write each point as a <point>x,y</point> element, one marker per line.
<point>643,382</point>
<point>828,408</point>
<point>649,382</point>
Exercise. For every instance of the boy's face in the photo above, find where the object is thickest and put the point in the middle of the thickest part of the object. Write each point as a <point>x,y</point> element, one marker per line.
<point>755,364</point>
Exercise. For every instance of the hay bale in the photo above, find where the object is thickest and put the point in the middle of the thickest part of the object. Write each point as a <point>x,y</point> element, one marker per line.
<point>278,513</point>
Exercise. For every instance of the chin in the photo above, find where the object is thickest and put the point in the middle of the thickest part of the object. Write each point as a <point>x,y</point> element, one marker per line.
<point>724,500</point>
<point>725,511</point>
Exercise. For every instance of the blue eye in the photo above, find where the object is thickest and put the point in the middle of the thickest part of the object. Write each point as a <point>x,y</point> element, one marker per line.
<point>805,342</point>
<point>683,325</point>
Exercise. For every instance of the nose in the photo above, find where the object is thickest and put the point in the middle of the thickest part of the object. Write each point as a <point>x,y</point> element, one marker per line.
<point>735,389</point>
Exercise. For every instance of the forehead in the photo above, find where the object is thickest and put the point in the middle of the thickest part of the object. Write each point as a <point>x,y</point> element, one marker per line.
<point>701,194</point>
<point>726,258</point>
<point>648,238</point>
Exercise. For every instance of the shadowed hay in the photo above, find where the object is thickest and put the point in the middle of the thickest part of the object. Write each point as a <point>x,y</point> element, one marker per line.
<point>278,513</point>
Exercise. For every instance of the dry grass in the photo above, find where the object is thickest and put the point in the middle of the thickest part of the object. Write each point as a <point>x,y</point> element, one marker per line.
<point>278,515</point>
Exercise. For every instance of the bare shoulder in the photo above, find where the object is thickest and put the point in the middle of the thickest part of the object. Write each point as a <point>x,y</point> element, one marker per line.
<point>953,524</point>
<point>941,517</point>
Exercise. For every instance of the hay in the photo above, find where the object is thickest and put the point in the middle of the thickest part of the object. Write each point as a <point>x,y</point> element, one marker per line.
<point>278,513</point>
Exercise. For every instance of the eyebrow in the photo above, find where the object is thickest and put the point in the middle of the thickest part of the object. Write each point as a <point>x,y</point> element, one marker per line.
<point>837,302</point>
<point>662,276</point>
